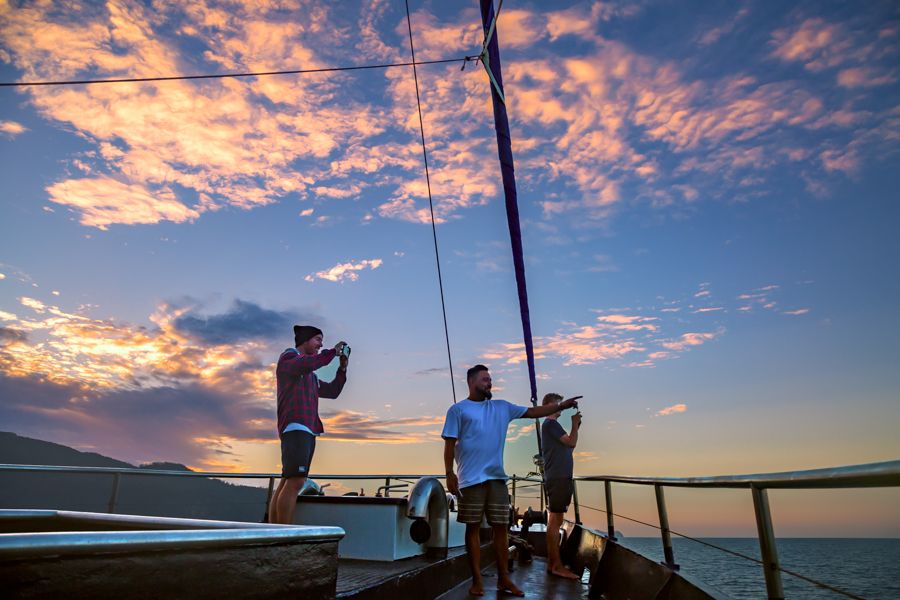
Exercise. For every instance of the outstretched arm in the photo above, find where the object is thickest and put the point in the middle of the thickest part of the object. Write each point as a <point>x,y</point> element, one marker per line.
<point>536,412</point>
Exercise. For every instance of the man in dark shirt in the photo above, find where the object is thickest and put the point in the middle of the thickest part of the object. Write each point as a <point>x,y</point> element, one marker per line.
<point>299,391</point>
<point>558,447</point>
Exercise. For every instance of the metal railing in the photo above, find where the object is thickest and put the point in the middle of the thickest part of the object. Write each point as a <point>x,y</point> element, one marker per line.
<point>882,474</point>
<point>117,473</point>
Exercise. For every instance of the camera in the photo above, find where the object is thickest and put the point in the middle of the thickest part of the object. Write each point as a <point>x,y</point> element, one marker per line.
<point>345,351</point>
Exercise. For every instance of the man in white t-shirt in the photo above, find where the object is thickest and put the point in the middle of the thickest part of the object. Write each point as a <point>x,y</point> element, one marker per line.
<point>475,435</point>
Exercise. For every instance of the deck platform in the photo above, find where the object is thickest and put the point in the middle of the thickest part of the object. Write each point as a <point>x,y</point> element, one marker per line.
<point>416,577</point>
<point>532,578</point>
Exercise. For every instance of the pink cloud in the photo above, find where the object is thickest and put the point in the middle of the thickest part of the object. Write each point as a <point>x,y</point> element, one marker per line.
<point>11,129</point>
<point>671,410</point>
<point>104,201</point>
<point>345,271</point>
<point>688,340</point>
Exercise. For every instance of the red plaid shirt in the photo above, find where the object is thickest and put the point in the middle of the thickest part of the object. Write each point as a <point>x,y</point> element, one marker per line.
<point>299,388</point>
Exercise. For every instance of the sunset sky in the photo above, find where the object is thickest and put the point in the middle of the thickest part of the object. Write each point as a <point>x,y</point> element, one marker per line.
<point>709,212</point>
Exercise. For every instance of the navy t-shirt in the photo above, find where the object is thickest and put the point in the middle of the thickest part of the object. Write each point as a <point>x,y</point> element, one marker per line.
<point>557,456</point>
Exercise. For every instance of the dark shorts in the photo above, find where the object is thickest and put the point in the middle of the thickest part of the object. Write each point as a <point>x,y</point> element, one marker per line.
<point>489,498</point>
<point>297,449</point>
<point>559,494</point>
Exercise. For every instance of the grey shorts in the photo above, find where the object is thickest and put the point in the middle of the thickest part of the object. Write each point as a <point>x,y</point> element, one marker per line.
<point>559,494</point>
<point>489,498</point>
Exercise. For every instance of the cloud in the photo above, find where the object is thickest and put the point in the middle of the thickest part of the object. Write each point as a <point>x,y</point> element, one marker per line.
<point>345,271</point>
<point>243,321</point>
<point>849,46</point>
<point>103,201</point>
<point>186,389</point>
<point>11,129</point>
<point>603,264</point>
<point>799,311</point>
<point>864,77</point>
<point>159,424</point>
<point>713,35</point>
<point>9,335</point>
<point>104,354</point>
<point>176,150</point>
<point>671,410</point>
<point>352,426</point>
<point>689,340</point>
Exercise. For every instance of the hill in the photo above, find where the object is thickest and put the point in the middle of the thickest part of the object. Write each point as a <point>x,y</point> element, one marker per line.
<point>138,494</point>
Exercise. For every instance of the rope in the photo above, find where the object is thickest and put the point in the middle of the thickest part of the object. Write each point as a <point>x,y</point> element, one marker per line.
<point>738,554</point>
<point>437,257</point>
<point>232,75</point>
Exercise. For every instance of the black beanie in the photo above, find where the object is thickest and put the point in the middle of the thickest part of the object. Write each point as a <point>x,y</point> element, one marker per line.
<point>302,333</point>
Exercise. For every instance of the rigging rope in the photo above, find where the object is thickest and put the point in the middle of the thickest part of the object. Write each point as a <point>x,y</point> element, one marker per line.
<point>234,75</point>
<point>732,552</point>
<point>490,58</point>
<point>437,257</point>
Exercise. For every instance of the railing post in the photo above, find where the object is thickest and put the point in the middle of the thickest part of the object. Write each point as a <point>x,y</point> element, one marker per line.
<point>387,487</point>
<point>767,548</point>
<point>111,508</point>
<point>575,501</point>
<point>610,523</point>
<point>668,552</point>
<point>269,497</point>
<point>541,494</point>
<point>514,492</point>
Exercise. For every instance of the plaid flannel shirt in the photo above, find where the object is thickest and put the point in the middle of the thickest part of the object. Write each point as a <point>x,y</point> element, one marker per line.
<point>299,388</point>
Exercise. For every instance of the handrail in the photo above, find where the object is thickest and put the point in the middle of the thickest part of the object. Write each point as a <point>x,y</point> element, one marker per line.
<point>870,475</point>
<point>225,475</point>
<point>879,474</point>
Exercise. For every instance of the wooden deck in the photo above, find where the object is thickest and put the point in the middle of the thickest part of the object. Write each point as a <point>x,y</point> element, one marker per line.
<point>416,577</point>
<point>531,578</point>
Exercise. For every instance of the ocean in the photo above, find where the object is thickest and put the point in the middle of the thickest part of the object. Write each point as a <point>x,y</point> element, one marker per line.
<point>868,568</point>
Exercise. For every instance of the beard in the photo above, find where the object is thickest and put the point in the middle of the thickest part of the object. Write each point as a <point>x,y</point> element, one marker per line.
<point>487,394</point>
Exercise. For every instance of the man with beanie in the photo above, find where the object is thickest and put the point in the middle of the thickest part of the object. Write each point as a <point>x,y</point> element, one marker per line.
<point>298,412</point>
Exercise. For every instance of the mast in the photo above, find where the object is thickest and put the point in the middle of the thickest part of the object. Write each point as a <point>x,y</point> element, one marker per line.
<point>491,59</point>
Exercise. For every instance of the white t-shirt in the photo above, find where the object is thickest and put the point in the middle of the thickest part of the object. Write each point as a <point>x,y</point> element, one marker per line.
<point>479,429</point>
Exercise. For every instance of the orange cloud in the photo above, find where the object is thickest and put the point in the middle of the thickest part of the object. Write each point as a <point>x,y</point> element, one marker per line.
<point>352,426</point>
<point>671,410</point>
<point>105,201</point>
<point>11,129</point>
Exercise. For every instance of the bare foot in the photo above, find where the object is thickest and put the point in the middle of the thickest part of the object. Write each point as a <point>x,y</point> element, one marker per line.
<point>563,572</point>
<point>477,589</point>
<point>505,586</point>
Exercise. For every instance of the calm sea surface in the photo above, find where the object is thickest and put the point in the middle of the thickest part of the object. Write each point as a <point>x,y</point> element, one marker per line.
<point>869,568</point>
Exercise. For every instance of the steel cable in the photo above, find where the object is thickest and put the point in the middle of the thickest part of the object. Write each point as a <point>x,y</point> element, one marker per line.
<point>437,257</point>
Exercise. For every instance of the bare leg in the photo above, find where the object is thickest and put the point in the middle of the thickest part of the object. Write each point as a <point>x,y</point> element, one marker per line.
<point>554,562</point>
<point>273,502</point>
<point>286,503</point>
<point>473,553</point>
<point>501,549</point>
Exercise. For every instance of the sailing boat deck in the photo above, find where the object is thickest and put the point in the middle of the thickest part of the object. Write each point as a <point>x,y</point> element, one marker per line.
<point>532,578</point>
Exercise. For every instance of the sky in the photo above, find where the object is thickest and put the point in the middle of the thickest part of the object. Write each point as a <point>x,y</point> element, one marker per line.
<point>709,215</point>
